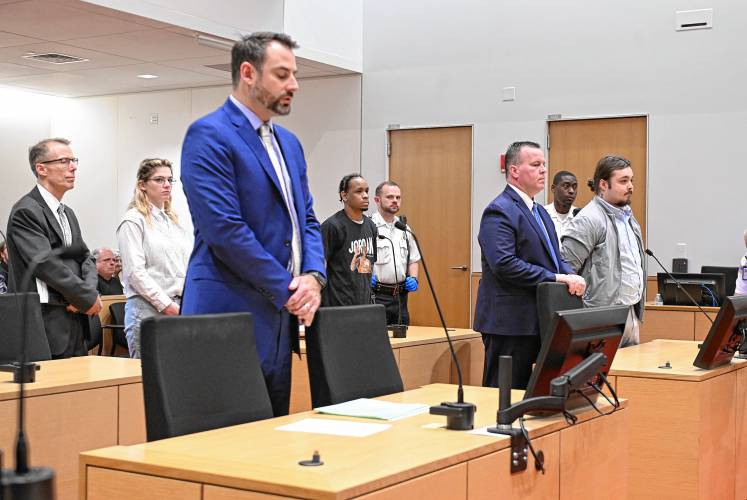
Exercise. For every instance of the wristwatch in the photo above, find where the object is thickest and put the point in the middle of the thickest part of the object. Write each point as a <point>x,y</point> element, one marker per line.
<point>319,278</point>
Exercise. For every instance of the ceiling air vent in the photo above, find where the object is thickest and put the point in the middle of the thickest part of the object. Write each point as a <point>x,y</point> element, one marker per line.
<point>686,20</point>
<point>55,58</point>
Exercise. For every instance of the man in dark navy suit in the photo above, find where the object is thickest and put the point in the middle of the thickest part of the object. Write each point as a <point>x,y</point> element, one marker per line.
<point>519,251</point>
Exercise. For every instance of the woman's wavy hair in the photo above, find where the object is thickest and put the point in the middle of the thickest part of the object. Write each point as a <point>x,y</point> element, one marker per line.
<point>140,199</point>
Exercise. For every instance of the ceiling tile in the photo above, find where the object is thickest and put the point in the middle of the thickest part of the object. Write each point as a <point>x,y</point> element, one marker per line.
<point>8,70</point>
<point>11,39</point>
<point>150,45</point>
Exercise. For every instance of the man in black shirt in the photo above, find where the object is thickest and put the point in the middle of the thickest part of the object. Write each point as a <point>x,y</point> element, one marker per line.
<point>109,283</point>
<point>349,247</point>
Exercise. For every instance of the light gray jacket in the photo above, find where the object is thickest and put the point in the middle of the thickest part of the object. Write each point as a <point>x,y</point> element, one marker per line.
<point>590,246</point>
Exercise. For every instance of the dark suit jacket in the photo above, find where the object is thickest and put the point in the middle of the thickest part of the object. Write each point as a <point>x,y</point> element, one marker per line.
<point>242,227</point>
<point>515,259</point>
<point>33,230</point>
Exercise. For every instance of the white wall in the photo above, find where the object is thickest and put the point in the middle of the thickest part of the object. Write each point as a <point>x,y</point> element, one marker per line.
<point>112,134</point>
<point>329,32</point>
<point>439,63</point>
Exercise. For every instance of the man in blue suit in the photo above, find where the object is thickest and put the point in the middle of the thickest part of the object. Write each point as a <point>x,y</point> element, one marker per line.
<point>519,251</point>
<point>258,246</point>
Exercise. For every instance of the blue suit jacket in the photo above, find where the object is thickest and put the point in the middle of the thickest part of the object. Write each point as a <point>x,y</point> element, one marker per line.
<point>242,227</point>
<point>515,259</point>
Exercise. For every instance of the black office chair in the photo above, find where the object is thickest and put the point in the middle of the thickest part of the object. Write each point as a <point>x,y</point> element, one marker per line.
<point>730,276</point>
<point>95,336</point>
<point>350,356</point>
<point>37,345</point>
<point>117,326</point>
<point>200,373</point>
<point>553,297</point>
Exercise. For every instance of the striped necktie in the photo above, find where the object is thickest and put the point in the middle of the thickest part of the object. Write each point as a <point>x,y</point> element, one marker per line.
<point>67,235</point>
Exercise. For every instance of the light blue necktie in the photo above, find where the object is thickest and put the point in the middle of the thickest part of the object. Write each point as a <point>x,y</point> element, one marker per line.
<point>537,217</point>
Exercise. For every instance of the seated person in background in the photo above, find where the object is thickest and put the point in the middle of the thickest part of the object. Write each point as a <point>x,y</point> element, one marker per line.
<point>109,283</point>
<point>741,288</point>
<point>118,264</point>
<point>349,247</point>
<point>564,189</point>
<point>155,250</point>
<point>604,244</point>
<point>3,267</point>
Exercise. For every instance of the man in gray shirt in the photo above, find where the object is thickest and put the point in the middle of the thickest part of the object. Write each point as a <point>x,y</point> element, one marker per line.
<point>604,244</point>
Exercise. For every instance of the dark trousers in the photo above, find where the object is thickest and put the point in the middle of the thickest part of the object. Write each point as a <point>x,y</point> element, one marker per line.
<point>66,331</point>
<point>523,350</point>
<point>392,311</point>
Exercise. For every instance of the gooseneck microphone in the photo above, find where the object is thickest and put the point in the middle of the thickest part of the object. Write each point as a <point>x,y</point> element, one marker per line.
<point>459,415</point>
<point>695,303</point>
<point>26,482</point>
<point>398,329</point>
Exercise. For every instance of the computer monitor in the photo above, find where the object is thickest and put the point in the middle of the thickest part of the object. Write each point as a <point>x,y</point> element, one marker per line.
<point>37,346</point>
<point>708,289</point>
<point>730,276</point>
<point>577,334</point>
<point>725,335</point>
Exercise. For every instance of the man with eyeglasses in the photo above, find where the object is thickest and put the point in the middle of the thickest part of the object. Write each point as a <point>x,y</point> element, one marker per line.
<point>39,224</point>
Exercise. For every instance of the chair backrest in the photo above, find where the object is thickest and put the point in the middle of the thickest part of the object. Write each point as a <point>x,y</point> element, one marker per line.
<point>37,346</point>
<point>200,373</point>
<point>552,297</point>
<point>95,335</point>
<point>117,310</point>
<point>730,276</point>
<point>350,356</point>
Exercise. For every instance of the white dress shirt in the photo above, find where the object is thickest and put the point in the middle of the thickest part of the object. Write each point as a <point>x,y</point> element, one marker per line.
<point>561,221</point>
<point>384,265</point>
<point>155,254</point>
<point>53,203</point>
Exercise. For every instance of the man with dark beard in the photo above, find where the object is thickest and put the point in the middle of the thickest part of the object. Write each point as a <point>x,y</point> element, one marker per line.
<point>604,244</point>
<point>258,247</point>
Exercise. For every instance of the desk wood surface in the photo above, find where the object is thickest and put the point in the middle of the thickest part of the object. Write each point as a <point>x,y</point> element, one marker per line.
<point>422,335</point>
<point>74,374</point>
<point>258,457</point>
<point>644,360</point>
<point>654,307</point>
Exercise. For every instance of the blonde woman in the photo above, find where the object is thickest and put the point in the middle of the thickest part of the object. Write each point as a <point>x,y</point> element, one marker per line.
<point>155,250</point>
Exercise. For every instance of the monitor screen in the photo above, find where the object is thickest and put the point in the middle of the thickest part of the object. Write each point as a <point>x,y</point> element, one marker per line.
<point>708,289</point>
<point>725,335</point>
<point>574,336</point>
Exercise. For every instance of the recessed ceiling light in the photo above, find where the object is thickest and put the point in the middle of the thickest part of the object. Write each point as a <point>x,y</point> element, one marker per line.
<point>147,77</point>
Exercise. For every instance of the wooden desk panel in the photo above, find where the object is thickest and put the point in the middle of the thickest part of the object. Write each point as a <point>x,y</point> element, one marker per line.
<point>446,484</point>
<point>210,492</point>
<point>106,484</point>
<point>677,325</point>
<point>425,364</point>
<point>490,476</point>
<point>58,428</point>
<point>471,356</point>
<point>684,440</point>
<point>702,325</point>
<point>741,429</point>
<point>590,465</point>
<point>131,414</point>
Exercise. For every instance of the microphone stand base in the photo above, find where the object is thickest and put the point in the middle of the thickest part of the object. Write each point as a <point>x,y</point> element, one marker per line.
<point>36,484</point>
<point>459,416</point>
<point>25,374</point>
<point>398,331</point>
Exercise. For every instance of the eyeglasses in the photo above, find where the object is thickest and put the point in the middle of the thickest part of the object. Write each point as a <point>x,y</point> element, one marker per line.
<point>163,180</point>
<point>62,161</point>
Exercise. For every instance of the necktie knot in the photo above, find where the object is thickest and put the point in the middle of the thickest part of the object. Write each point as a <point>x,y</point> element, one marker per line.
<point>265,131</point>
<point>61,209</point>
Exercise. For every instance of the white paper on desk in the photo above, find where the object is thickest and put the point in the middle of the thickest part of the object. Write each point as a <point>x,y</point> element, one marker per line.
<point>374,408</point>
<point>334,427</point>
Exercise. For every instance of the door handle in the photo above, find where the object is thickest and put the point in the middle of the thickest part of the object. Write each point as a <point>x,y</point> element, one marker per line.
<point>459,268</point>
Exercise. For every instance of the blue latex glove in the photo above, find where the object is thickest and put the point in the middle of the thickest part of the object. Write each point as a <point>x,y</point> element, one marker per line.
<point>411,284</point>
<point>373,281</point>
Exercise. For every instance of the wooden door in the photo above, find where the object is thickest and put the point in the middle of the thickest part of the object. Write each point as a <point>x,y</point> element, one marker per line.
<point>434,170</point>
<point>577,146</point>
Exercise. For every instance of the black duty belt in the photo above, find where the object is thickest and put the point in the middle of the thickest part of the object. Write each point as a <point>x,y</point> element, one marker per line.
<point>387,289</point>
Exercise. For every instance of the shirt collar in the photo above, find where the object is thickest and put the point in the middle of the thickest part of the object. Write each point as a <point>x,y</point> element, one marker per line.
<point>52,202</point>
<point>623,213</point>
<point>379,219</point>
<point>253,118</point>
<point>528,201</point>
